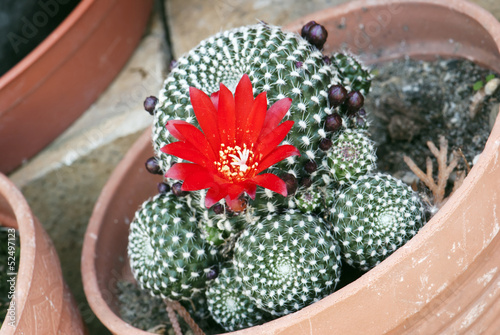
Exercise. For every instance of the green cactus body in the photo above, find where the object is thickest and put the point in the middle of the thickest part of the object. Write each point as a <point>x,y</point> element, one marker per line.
<point>286,262</point>
<point>355,76</point>
<point>167,254</point>
<point>281,63</point>
<point>351,156</point>
<point>229,307</point>
<point>373,217</point>
<point>220,227</point>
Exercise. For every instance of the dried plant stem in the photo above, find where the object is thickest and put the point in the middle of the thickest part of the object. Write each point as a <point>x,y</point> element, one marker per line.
<point>444,171</point>
<point>175,306</point>
<point>173,318</point>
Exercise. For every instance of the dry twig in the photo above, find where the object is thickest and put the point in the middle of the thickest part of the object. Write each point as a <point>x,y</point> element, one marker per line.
<point>444,171</point>
<point>173,317</point>
<point>175,306</point>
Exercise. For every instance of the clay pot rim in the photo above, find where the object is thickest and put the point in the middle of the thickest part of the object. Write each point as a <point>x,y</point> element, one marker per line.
<point>25,222</point>
<point>116,325</point>
<point>49,42</point>
<point>67,55</point>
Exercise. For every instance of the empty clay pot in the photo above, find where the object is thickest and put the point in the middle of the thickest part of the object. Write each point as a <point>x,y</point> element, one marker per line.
<point>56,82</point>
<point>445,280</point>
<point>44,304</point>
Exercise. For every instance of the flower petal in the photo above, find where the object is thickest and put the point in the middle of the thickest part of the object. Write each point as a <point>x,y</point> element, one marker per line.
<point>251,189</point>
<point>206,114</point>
<point>180,171</point>
<point>214,194</point>
<point>171,127</point>
<point>255,120</point>
<point>267,144</point>
<point>196,138</point>
<point>215,99</point>
<point>187,152</point>
<point>275,114</point>
<point>235,190</point>
<point>271,182</point>
<point>278,154</point>
<point>225,116</point>
<point>243,97</point>
<point>198,181</point>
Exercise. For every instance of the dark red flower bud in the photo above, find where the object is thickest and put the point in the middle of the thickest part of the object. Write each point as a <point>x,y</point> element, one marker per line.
<point>315,34</point>
<point>360,122</point>
<point>177,190</point>
<point>327,60</point>
<point>354,101</point>
<point>218,208</point>
<point>306,182</point>
<point>310,166</point>
<point>333,122</point>
<point>152,166</point>
<point>291,183</point>
<point>306,28</point>
<point>150,104</point>
<point>337,94</point>
<point>163,188</point>
<point>325,144</point>
<point>212,273</point>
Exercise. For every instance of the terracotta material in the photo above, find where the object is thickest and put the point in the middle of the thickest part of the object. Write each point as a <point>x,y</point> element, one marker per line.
<point>46,91</point>
<point>445,280</point>
<point>44,304</point>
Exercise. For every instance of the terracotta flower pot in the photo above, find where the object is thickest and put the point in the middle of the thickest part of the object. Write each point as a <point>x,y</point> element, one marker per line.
<point>446,279</point>
<point>47,90</point>
<point>44,304</point>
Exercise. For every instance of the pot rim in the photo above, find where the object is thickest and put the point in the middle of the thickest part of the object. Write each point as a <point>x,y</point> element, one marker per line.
<point>25,222</point>
<point>48,43</point>
<point>436,224</point>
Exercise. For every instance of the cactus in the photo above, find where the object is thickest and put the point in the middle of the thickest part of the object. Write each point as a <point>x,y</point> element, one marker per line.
<point>286,262</point>
<point>285,251</point>
<point>373,217</point>
<point>229,307</point>
<point>166,251</point>
<point>351,156</point>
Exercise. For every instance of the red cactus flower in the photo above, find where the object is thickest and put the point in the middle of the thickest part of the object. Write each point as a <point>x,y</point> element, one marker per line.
<point>240,139</point>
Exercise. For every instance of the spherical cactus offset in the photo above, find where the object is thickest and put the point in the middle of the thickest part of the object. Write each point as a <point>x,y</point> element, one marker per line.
<point>310,200</point>
<point>287,261</point>
<point>229,307</point>
<point>351,156</point>
<point>167,253</point>
<point>373,217</point>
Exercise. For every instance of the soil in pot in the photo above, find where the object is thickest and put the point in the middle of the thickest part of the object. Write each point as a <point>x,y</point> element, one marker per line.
<point>411,102</point>
<point>9,264</point>
<point>25,24</point>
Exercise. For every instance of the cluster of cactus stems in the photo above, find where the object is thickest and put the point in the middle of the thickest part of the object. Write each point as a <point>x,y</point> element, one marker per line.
<point>272,255</point>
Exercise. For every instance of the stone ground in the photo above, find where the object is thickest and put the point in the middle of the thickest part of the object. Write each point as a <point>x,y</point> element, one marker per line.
<point>63,182</point>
